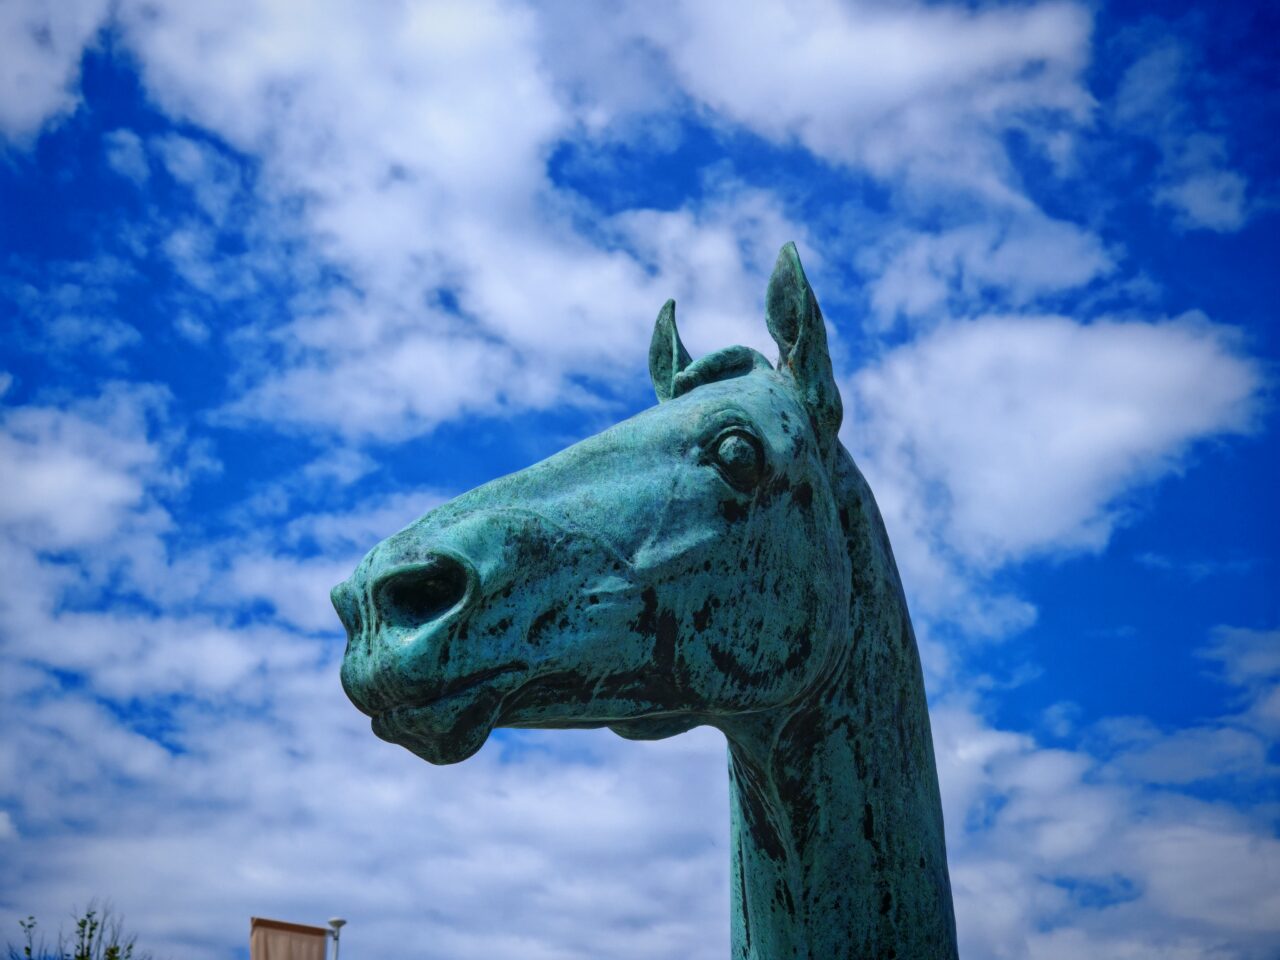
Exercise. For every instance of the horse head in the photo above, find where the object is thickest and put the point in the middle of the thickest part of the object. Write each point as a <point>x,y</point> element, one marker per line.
<point>683,567</point>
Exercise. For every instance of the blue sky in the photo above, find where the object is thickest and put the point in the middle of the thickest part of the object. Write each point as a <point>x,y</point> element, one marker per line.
<point>273,284</point>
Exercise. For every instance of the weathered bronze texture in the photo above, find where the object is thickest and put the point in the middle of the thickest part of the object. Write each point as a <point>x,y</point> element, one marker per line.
<point>717,559</point>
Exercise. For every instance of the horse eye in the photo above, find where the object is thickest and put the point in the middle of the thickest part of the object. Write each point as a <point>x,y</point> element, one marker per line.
<point>740,460</point>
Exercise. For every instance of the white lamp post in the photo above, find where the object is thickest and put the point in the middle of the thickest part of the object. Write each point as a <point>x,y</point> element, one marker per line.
<point>337,923</point>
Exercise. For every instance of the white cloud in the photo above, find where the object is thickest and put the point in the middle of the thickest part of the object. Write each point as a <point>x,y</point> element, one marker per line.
<point>1207,197</point>
<point>1193,569</point>
<point>1148,85</point>
<point>421,166</point>
<point>191,328</point>
<point>127,156</point>
<point>417,146</point>
<point>716,261</point>
<point>964,269</point>
<point>617,81</point>
<point>1193,754</point>
<point>73,476</point>
<point>1050,856</point>
<point>298,590</point>
<point>919,91</point>
<point>126,656</point>
<point>1246,655</point>
<point>306,815</point>
<point>1193,177</point>
<point>929,89</point>
<point>69,309</point>
<point>1250,659</point>
<point>340,466</point>
<point>266,569</point>
<point>361,528</point>
<point>993,440</point>
<point>102,334</point>
<point>41,63</point>
<point>410,146</point>
<point>213,179</point>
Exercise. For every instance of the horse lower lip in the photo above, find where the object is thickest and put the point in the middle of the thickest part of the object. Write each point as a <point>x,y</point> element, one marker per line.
<point>452,689</point>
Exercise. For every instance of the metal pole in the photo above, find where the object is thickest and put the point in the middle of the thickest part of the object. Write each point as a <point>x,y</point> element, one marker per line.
<point>336,924</point>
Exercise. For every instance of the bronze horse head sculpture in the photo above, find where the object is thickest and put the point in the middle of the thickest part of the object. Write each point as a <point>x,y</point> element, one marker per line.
<point>717,559</point>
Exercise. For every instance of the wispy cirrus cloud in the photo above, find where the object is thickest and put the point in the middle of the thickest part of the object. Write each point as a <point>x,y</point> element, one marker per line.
<point>1195,180</point>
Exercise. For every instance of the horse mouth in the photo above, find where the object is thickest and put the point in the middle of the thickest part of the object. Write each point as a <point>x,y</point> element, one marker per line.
<point>449,691</point>
<point>451,724</point>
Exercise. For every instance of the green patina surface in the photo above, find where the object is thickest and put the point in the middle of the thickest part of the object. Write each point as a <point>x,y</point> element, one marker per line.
<point>717,559</point>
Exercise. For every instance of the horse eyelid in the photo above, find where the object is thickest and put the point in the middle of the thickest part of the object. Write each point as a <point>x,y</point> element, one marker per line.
<point>710,452</point>
<point>710,441</point>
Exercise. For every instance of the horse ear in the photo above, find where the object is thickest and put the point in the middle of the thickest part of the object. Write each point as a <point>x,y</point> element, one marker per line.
<point>795,321</point>
<point>667,355</point>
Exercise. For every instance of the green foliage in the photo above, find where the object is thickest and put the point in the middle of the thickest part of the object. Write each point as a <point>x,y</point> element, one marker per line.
<point>98,935</point>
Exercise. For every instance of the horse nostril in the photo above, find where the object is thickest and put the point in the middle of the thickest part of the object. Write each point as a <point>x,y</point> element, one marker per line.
<point>418,594</point>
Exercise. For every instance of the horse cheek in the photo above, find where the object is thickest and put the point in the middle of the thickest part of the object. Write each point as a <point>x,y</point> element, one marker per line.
<point>811,590</point>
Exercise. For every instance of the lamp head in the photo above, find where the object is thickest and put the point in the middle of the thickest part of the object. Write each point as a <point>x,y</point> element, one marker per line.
<point>337,923</point>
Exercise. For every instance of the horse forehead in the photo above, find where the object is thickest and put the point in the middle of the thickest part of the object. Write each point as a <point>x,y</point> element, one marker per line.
<point>617,475</point>
<point>639,443</point>
<point>625,460</point>
<point>760,396</point>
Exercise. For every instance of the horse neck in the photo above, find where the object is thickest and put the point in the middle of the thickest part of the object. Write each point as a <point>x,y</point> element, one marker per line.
<point>838,847</point>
